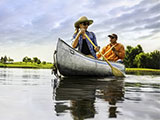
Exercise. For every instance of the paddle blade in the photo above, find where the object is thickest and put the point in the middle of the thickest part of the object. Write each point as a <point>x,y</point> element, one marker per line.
<point>117,72</point>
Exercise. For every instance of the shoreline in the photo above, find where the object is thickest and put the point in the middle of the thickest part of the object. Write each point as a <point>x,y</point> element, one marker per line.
<point>142,71</point>
<point>135,71</point>
<point>27,65</point>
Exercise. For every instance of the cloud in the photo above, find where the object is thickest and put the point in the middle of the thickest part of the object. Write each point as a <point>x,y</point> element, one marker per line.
<point>41,22</point>
<point>138,17</point>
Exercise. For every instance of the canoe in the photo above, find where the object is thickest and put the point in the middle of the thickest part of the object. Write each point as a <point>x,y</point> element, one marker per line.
<point>70,62</point>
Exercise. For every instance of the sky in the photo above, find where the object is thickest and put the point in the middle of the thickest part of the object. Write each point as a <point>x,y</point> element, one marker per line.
<point>32,27</point>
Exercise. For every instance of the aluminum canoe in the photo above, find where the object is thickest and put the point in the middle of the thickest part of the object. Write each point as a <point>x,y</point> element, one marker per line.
<point>71,62</point>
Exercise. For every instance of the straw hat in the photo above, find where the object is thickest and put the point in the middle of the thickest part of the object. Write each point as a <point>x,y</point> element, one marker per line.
<point>82,19</point>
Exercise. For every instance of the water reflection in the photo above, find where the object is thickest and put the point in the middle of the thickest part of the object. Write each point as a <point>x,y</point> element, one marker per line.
<point>78,96</point>
<point>113,92</point>
<point>26,77</point>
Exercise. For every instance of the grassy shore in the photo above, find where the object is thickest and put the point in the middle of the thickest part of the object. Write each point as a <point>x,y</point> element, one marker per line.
<point>26,65</point>
<point>142,71</point>
<point>137,71</point>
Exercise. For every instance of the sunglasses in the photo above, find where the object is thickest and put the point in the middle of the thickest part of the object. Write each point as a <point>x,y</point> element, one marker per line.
<point>85,23</point>
<point>112,37</point>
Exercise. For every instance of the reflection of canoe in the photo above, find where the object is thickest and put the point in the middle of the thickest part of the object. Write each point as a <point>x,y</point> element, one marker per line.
<point>70,62</point>
<point>78,88</point>
<point>79,95</point>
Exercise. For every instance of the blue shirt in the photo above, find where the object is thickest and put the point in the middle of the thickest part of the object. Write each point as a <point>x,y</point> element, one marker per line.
<point>92,36</point>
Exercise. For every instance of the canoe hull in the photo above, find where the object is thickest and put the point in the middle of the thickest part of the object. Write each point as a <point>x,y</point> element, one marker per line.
<point>71,62</point>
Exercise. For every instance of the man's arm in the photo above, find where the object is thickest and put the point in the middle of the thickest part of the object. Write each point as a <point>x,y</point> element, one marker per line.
<point>120,53</point>
<point>75,42</point>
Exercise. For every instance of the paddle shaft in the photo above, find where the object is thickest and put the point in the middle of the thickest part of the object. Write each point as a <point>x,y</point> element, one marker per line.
<point>95,46</point>
<point>109,49</point>
<point>99,52</point>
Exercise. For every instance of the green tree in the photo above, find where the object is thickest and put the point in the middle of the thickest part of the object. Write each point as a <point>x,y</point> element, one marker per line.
<point>5,59</point>
<point>155,59</point>
<point>38,62</point>
<point>35,59</point>
<point>143,60</point>
<point>2,60</point>
<point>44,62</point>
<point>147,60</point>
<point>25,59</point>
<point>130,55</point>
<point>29,60</point>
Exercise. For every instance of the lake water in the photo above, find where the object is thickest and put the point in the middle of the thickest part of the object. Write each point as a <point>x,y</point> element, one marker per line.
<point>35,94</point>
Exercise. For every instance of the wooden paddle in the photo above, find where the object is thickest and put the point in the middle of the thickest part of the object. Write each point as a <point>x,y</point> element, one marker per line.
<point>115,71</point>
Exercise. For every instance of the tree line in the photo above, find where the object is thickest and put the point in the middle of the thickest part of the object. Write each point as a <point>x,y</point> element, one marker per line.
<point>6,59</point>
<point>26,59</point>
<point>34,60</point>
<point>136,58</point>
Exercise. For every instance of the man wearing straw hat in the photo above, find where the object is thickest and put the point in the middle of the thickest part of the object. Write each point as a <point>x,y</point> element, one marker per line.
<point>80,41</point>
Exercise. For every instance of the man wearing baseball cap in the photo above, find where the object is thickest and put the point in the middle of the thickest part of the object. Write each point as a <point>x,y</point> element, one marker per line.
<point>113,51</point>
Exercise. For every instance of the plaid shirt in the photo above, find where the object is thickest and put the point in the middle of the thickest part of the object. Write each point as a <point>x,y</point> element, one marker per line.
<point>92,36</point>
<point>111,56</point>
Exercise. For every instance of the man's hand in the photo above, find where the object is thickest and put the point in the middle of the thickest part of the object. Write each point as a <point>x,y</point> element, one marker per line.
<point>82,31</point>
<point>113,49</point>
<point>97,48</point>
